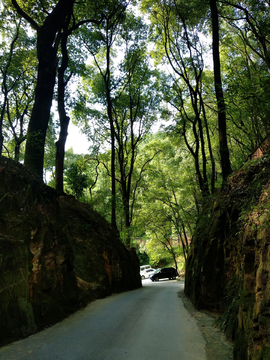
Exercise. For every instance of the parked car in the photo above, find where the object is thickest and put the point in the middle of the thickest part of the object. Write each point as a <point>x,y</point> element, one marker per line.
<point>142,270</point>
<point>165,273</point>
<point>147,273</point>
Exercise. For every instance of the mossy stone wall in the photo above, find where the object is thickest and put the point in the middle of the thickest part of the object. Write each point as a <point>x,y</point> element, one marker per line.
<point>228,268</point>
<point>56,255</point>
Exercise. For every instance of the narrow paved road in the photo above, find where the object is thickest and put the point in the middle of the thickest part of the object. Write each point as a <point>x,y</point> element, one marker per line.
<point>146,324</point>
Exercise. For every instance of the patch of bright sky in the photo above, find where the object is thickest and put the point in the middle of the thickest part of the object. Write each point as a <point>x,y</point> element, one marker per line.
<point>77,140</point>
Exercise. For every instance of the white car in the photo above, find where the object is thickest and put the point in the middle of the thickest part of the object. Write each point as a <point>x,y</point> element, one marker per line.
<point>143,268</point>
<point>146,273</point>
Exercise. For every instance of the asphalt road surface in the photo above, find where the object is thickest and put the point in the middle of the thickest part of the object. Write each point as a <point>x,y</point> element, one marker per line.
<point>150,323</point>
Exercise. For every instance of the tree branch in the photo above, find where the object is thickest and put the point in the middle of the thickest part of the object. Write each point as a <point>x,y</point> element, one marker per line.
<point>24,15</point>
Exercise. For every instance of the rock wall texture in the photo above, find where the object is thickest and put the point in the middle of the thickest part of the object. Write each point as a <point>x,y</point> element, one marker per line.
<point>229,263</point>
<point>56,255</point>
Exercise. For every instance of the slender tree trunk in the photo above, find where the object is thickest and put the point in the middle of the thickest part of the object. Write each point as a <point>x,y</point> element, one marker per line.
<point>1,123</point>
<point>113,205</point>
<point>60,154</point>
<point>125,200</point>
<point>213,165</point>
<point>5,90</point>
<point>125,188</point>
<point>112,131</point>
<point>186,247</point>
<point>64,119</point>
<point>204,160</point>
<point>223,144</point>
<point>127,220</point>
<point>195,155</point>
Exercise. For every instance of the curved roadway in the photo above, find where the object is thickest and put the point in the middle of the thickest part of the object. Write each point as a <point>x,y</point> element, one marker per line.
<point>150,323</point>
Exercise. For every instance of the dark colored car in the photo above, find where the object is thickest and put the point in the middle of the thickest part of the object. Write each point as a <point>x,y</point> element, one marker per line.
<point>165,273</point>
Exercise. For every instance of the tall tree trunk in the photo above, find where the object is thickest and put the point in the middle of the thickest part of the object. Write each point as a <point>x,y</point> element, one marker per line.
<point>2,114</point>
<point>38,124</point>
<point>213,165</point>
<point>113,205</point>
<point>47,46</point>
<point>64,119</point>
<point>125,201</point>
<point>127,220</point>
<point>195,154</point>
<point>223,144</point>
<point>112,131</point>
<point>5,90</point>
<point>60,154</point>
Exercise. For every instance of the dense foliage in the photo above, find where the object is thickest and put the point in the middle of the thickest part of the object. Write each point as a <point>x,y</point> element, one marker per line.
<point>119,69</point>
